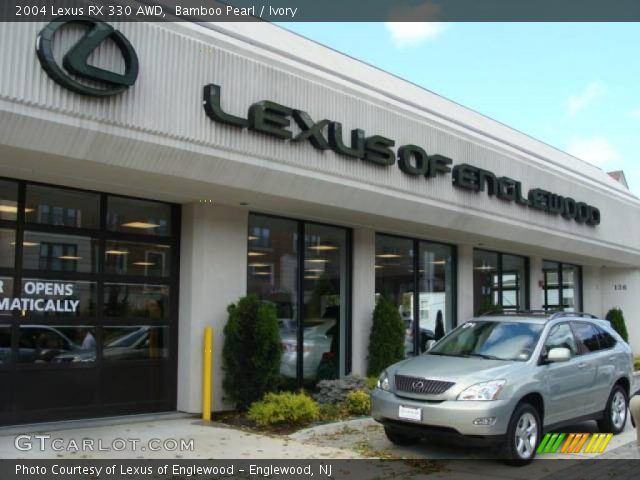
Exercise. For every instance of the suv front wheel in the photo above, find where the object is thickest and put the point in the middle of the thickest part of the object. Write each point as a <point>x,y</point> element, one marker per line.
<point>523,434</point>
<point>615,413</point>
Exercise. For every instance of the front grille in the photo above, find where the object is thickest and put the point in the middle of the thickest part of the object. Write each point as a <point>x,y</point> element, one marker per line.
<point>421,385</point>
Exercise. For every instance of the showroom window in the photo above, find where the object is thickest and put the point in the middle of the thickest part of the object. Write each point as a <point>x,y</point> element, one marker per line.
<point>500,282</point>
<point>561,287</point>
<point>88,301</point>
<point>418,277</point>
<point>304,269</point>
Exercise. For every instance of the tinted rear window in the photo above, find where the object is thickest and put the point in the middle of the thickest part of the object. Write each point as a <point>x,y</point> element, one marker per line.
<point>586,336</point>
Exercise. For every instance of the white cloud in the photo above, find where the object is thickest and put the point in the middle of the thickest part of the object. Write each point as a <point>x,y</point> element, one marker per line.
<point>595,150</point>
<point>580,100</point>
<point>412,34</point>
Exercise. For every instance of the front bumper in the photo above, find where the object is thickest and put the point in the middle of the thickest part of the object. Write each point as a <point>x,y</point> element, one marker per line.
<point>451,416</point>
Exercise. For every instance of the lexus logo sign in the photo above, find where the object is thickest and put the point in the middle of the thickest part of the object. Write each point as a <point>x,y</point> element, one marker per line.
<point>75,65</point>
<point>418,385</point>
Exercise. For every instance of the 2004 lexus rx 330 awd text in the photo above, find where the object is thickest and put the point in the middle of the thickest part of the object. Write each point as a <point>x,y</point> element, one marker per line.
<point>506,378</point>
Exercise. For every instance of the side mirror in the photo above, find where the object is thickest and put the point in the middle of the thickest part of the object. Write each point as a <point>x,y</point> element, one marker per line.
<point>429,345</point>
<point>559,354</point>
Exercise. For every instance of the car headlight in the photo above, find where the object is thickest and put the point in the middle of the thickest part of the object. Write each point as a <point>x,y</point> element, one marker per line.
<point>483,391</point>
<point>383,382</point>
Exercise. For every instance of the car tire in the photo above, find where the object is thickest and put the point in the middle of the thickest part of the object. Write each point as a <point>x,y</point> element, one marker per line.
<point>400,439</point>
<point>523,435</point>
<point>614,417</point>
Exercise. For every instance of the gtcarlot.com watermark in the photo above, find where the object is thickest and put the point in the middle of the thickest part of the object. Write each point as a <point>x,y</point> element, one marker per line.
<point>46,442</point>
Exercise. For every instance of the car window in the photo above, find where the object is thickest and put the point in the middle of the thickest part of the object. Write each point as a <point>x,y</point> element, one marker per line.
<point>587,337</point>
<point>605,338</point>
<point>491,340</point>
<point>561,336</point>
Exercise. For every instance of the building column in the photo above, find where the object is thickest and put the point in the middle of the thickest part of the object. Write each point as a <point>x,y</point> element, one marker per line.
<point>535,277</point>
<point>213,274</point>
<point>464,289</point>
<point>592,292</point>
<point>363,293</point>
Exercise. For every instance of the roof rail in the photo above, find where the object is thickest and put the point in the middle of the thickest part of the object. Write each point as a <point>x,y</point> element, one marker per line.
<point>513,312</point>
<point>572,314</point>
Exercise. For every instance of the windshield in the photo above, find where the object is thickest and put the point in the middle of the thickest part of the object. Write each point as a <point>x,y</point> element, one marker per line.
<point>490,340</point>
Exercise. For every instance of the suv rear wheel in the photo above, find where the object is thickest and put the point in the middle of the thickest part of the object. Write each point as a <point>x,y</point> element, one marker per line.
<point>400,438</point>
<point>615,413</point>
<point>523,434</point>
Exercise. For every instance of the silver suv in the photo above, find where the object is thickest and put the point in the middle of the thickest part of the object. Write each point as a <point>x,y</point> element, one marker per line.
<point>504,378</point>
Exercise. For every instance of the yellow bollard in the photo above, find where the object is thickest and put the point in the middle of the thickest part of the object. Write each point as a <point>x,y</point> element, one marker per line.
<point>206,374</point>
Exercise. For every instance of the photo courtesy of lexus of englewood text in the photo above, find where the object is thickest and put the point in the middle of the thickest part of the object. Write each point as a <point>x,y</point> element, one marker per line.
<point>247,238</point>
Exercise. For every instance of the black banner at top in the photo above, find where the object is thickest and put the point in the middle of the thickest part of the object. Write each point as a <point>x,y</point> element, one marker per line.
<point>326,10</point>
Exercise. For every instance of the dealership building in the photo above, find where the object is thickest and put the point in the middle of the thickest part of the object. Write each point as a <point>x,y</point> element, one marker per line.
<point>154,173</point>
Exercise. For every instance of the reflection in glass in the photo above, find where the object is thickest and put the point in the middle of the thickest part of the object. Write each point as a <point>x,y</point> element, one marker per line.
<point>6,291</point>
<point>136,301</point>
<point>84,292</point>
<point>56,344</point>
<point>7,248</point>
<point>58,206</point>
<point>562,286</point>
<point>135,343</point>
<point>138,216</point>
<point>325,275</point>
<point>435,299</point>
<point>59,253</point>
<point>513,282</point>
<point>571,288</point>
<point>272,275</point>
<point>395,280</point>
<point>8,200</point>
<point>133,258</point>
<point>5,344</point>
<point>499,282</point>
<point>485,282</point>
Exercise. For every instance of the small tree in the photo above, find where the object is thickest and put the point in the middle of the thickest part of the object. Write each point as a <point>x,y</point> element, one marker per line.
<point>386,342</point>
<point>616,319</point>
<point>251,351</point>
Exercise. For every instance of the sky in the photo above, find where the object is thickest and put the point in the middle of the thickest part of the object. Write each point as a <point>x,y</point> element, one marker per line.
<point>572,85</point>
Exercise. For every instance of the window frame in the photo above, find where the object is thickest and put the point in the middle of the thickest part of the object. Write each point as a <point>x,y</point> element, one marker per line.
<point>579,288</point>
<point>300,265</point>
<point>101,235</point>
<point>416,241</point>
<point>500,272</point>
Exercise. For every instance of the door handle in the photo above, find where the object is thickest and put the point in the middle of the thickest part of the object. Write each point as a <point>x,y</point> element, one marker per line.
<point>582,365</point>
<point>612,358</point>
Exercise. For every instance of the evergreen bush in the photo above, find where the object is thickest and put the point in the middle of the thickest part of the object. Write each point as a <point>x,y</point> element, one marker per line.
<point>386,341</point>
<point>616,319</point>
<point>251,352</point>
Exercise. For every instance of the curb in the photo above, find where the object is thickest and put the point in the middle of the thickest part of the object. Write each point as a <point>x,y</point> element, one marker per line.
<point>329,428</point>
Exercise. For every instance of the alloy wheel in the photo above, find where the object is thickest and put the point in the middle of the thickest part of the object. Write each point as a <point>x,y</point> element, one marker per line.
<point>618,409</point>
<point>526,436</point>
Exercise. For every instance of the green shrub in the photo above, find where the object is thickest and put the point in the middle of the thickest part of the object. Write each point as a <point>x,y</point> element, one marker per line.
<point>636,363</point>
<point>358,402</point>
<point>251,352</point>
<point>330,412</point>
<point>284,408</point>
<point>616,318</point>
<point>386,341</point>
<point>372,382</point>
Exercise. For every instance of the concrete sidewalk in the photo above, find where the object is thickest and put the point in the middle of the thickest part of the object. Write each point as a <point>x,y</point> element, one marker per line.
<point>212,441</point>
